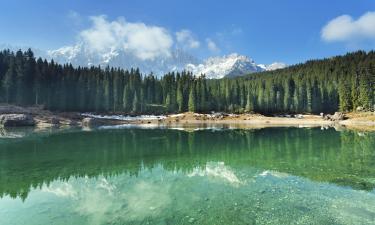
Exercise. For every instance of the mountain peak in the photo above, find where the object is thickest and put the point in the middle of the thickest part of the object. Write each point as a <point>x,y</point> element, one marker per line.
<point>225,66</point>
<point>230,65</point>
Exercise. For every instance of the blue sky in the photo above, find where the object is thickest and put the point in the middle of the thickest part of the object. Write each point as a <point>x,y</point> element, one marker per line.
<point>290,31</point>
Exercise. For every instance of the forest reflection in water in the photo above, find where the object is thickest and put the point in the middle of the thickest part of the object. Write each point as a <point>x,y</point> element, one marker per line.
<point>343,158</point>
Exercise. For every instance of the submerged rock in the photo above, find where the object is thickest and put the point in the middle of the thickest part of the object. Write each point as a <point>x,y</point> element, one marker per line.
<point>16,120</point>
<point>191,220</point>
<point>4,133</point>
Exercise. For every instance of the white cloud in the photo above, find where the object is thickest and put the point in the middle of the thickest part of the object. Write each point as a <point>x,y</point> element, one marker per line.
<point>345,29</point>
<point>212,45</point>
<point>146,42</point>
<point>186,40</point>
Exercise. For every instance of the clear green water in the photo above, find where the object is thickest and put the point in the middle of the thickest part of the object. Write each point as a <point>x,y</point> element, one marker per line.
<point>164,176</point>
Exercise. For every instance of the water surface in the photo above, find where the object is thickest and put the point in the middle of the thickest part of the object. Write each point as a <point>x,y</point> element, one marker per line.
<point>166,176</point>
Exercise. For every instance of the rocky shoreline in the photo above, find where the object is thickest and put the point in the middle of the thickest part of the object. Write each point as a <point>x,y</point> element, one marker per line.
<point>16,116</point>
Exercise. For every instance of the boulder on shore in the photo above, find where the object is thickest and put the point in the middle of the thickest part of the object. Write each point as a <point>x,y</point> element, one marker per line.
<point>335,117</point>
<point>359,109</point>
<point>16,120</point>
<point>338,116</point>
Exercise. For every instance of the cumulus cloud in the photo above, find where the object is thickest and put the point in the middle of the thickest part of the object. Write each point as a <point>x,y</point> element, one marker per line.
<point>186,40</point>
<point>212,45</point>
<point>346,29</point>
<point>146,42</point>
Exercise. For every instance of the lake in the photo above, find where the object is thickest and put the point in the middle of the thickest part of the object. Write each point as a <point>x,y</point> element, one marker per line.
<point>195,176</point>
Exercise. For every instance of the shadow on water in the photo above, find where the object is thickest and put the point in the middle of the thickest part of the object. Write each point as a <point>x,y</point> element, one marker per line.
<point>342,158</point>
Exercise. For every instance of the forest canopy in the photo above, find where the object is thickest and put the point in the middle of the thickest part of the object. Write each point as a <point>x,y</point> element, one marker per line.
<point>341,83</point>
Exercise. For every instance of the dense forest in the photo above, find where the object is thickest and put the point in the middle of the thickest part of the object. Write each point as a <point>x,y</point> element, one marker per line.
<point>340,83</point>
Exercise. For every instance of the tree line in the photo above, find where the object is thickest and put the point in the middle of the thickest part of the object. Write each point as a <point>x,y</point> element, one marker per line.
<point>339,83</point>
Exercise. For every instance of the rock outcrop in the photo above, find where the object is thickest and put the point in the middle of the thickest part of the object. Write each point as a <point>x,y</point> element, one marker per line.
<point>16,120</point>
<point>338,116</point>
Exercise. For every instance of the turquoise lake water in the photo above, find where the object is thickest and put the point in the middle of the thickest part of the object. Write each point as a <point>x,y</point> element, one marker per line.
<point>168,176</point>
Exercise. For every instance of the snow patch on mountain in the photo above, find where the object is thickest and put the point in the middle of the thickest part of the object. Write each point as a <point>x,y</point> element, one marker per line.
<point>227,66</point>
<point>273,66</point>
<point>68,52</point>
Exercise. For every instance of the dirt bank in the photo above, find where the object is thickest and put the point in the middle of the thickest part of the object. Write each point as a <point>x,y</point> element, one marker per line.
<point>45,118</point>
<point>357,121</point>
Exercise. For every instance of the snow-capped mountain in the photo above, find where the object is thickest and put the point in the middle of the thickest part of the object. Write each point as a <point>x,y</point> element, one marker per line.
<point>79,55</point>
<point>227,66</point>
<point>214,67</point>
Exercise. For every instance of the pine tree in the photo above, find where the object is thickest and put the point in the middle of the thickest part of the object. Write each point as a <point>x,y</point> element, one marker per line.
<point>20,91</point>
<point>192,101</point>
<point>180,98</point>
<point>135,108</point>
<point>168,102</point>
<point>202,94</point>
<point>344,91</point>
<point>9,82</point>
<point>365,92</point>
<point>38,81</point>
<point>127,102</point>
<point>249,103</point>
<point>116,91</point>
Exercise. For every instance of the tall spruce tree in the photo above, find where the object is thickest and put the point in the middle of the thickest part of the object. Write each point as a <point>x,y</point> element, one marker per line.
<point>192,100</point>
